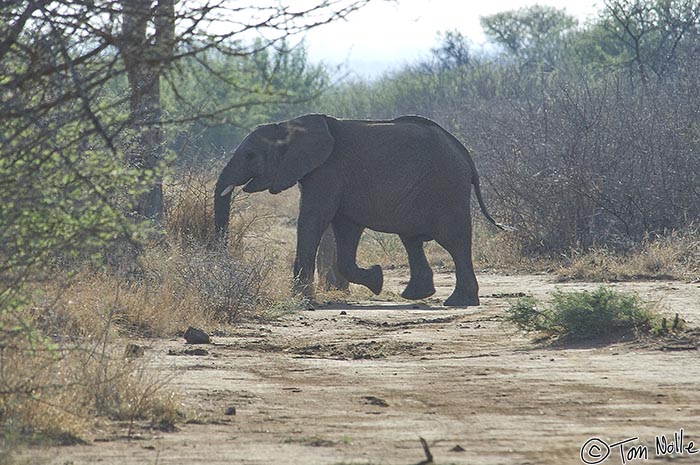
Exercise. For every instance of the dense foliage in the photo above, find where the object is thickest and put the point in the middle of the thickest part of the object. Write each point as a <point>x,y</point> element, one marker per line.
<point>76,136</point>
<point>584,134</point>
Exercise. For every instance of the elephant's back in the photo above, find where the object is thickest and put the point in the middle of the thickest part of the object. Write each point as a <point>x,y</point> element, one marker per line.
<point>412,141</point>
<point>398,175</point>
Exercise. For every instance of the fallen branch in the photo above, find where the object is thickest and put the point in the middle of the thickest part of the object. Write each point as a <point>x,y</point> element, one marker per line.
<point>426,449</point>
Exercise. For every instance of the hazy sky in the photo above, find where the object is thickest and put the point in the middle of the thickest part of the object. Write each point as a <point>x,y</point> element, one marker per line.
<point>385,34</point>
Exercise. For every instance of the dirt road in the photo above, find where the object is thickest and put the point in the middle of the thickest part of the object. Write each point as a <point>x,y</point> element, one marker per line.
<point>359,384</point>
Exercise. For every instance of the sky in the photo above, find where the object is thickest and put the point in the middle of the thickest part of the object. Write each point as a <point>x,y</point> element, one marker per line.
<point>387,34</point>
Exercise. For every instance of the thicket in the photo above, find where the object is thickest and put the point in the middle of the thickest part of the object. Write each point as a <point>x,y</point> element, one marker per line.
<point>585,135</point>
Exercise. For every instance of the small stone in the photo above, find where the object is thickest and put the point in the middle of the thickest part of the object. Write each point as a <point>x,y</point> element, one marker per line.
<point>196,336</point>
<point>343,312</point>
<point>230,411</point>
<point>458,448</point>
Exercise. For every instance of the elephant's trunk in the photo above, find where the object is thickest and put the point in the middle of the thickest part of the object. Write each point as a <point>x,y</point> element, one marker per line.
<point>222,205</point>
<point>234,174</point>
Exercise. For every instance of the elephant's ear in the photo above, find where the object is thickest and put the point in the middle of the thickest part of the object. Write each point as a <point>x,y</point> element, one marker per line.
<point>309,144</point>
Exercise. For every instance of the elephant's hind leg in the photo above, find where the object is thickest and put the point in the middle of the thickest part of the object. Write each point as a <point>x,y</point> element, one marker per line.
<point>347,236</point>
<point>458,245</point>
<point>421,283</point>
<point>327,263</point>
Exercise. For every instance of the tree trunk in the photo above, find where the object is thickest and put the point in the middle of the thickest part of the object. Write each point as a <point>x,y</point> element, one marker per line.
<point>145,57</point>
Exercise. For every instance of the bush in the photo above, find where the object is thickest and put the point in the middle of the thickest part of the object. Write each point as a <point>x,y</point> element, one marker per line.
<point>585,315</point>
<point>576,155</point>
<point>589,162</point>
<point>226,287</point>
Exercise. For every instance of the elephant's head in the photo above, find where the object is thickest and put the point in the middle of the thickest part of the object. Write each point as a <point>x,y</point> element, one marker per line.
<point>273,157</point>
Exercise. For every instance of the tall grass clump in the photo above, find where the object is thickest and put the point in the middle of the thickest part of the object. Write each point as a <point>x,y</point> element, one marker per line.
<point>585,315</point>
<point>199,282</point>
<point>186,277</point>
<point>673,255</point>
<point>189,206</point>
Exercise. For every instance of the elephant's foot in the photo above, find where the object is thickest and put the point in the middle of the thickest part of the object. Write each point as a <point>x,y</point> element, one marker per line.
<point>417,291</point>
<point>461,300</point>
<point>375,279</point>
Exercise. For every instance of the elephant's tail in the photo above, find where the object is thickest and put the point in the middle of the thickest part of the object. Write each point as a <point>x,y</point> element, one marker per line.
<point>468,158</point>
<point>482,205</point>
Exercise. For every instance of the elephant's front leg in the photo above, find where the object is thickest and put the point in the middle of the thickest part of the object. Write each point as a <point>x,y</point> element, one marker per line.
<point>347,237</point>
<point>309,231</point>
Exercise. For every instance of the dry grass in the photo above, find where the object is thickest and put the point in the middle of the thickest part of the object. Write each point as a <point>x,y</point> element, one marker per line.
<point>381,249</point>
<point>675,255</point>
<point>499,250</point>
<point>54,386</point>
<point>190,214</point>
<point>491,249</point>
<point>189,206</point>
<point>175,286</point>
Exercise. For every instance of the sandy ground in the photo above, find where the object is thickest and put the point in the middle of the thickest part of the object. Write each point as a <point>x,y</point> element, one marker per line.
<point>359,384</point>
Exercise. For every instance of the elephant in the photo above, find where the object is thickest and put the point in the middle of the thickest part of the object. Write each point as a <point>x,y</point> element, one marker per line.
<point>407,176</point>
<point>327,264</point>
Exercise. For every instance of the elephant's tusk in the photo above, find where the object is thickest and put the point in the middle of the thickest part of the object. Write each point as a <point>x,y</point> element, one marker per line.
<point>227,191</point>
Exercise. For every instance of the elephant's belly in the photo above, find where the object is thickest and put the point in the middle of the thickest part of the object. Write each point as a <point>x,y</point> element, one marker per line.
<point>391,217</point>
<point>417,206</point>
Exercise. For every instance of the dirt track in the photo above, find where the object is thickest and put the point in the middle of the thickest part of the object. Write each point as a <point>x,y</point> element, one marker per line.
<point>323,387</point>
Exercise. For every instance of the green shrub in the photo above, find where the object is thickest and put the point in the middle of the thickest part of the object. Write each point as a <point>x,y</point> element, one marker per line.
<point>585,315</point>
<point>526,314</point>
